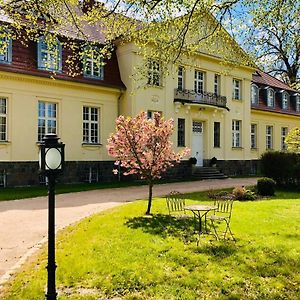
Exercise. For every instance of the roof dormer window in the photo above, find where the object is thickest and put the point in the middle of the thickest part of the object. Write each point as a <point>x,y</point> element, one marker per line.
<point>49,55</point>
<point>93,63</point>
<point>254,94</point>
<point>285,100</point>
<point>5,50</point>
<point>270,98</point>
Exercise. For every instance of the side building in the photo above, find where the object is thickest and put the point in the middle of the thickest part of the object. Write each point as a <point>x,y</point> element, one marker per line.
<point>37,96</point>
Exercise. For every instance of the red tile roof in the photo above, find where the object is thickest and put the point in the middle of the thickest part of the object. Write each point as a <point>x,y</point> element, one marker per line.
<point>265,79</point>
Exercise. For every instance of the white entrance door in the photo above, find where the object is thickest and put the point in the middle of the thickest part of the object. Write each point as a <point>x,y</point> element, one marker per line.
<point>197,142</point>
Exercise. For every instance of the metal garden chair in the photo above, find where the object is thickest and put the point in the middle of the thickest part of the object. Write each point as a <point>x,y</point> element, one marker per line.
<point>222,214</point>
<point>176,203</point>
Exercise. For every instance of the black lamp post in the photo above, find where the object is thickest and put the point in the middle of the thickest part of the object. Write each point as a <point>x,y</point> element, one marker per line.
<point>51,160</point>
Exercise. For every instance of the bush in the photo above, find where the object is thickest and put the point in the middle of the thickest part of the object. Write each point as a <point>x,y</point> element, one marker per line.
<point>192,160</point>
<point>266,186</point>
<point>212,194</point>
<point>240,193</point>
<point>283,167</point>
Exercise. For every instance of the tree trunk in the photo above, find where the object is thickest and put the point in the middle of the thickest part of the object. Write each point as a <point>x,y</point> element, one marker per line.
<point>149,198</point>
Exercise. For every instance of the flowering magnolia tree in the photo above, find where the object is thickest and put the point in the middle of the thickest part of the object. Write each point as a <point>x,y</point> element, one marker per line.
<point>143,147</point>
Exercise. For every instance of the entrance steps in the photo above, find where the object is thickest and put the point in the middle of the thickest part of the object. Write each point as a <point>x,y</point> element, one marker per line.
<point>207,173</point>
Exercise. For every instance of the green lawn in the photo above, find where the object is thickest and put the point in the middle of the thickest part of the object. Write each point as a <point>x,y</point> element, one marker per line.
<point>122,253</point>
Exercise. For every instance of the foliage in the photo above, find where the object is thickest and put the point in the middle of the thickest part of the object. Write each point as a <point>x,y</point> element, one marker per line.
<point>142,146</point>
<point>216,194</point>
<point>283,167</point>
<point>94,261</point>
<point>271,35</point>
<point>266,186</point>
<point>293,140</point>
<point>241,193</point>
<point>192,160</point>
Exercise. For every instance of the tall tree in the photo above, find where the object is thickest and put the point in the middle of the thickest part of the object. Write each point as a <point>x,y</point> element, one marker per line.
<point>142,146</point>
<point>293,140</point>
<point>270,31</point>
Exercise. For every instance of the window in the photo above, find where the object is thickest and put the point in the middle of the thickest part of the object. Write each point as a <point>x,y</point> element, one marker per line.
<point>284,132</point>
<point>150,114</point>
<point>181,133</point>
<point>217,84</point>
<point>270,98</point>
<point>154,74</point>
<point>5,50</point>
<point>2,178</point>
<point>297,103</point>
<point>49,55</point>
<point>3,119</point>
<point>253,136</point>
<point>254,94</point>
<point>269,137</point>
<point>236,90</point>
<point>180,78</point>
<point>93,64</point>
<point>285,100</point>
<point>217,134</point>
<point>199,82</point>
<point>47,114</point>
<point>236,133</point>
<point>90,125</point>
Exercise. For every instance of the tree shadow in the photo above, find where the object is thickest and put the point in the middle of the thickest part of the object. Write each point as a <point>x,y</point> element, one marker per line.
<point>163,225</point>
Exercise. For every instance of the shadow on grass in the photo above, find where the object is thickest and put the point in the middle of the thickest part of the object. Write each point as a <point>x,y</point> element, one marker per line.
<point>163,225</point>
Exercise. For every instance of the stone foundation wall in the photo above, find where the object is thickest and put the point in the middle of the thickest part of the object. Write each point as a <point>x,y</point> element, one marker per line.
<point>27,173</point>
<point>239,167</point>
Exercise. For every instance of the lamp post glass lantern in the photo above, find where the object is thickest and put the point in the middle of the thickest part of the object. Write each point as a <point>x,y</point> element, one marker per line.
<point>51,161</point>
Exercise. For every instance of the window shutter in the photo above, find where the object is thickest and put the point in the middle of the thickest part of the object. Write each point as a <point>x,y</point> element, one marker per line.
<point>39,57</point>
<point>59,55</point>
<point>9,51</point>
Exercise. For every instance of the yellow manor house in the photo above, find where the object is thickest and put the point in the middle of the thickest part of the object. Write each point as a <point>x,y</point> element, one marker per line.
<point>228,116</point>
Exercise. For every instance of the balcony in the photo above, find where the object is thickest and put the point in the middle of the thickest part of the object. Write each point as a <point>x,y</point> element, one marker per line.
<point>191,97</point>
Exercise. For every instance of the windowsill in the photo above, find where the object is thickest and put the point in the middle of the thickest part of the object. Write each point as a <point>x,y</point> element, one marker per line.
<point>239,100</point>
<point>49,70</point>
<point>154,86</point>
<point>254,149</point>
<point>237,148</point>
<point>217,147</point>
<point>93,77</point>
<point>91,144</point>
<point>5,62</point>
<point>180,146</point>
<point>4,142</point>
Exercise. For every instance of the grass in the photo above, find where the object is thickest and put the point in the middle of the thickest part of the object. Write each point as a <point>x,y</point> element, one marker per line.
<point>122,253</point>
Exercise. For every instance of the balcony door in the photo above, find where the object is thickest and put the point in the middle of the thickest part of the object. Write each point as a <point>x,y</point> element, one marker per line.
<point>197,142</point>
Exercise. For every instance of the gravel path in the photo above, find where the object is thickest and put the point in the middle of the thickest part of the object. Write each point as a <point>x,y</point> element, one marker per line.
<point>23,223</point>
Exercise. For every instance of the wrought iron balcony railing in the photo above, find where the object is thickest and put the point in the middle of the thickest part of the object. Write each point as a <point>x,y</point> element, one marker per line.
<point>190,96</point>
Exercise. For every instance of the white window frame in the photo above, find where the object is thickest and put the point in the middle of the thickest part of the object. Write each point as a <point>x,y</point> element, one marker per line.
<point>270,97</point>
<point>297,103</point>
<point>90,125</point>
<point>93,66</point>
<point>49,118</point>
<point>285,100</point>
<point>284,133</point>
<point>6,50</point>
<point>254,94</point>
<point>181,78</point>
<point>253,136</point>
<point>236,133</point>
<point>4,117</point>
<point>236,89</point>
<point>217,84</point>
<point>49,55</point>
<point>154,73</point>
<point>199,82</point>
<point>269,137</point>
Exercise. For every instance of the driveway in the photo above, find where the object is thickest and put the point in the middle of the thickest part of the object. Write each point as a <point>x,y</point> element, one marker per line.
<point>23,223</point>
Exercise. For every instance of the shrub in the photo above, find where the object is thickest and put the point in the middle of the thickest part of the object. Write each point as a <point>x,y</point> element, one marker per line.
<point>266,186</point>
<point>241,193</point>
<point>283,167</point>
<point>212,194</point>
<point>192,160</point>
